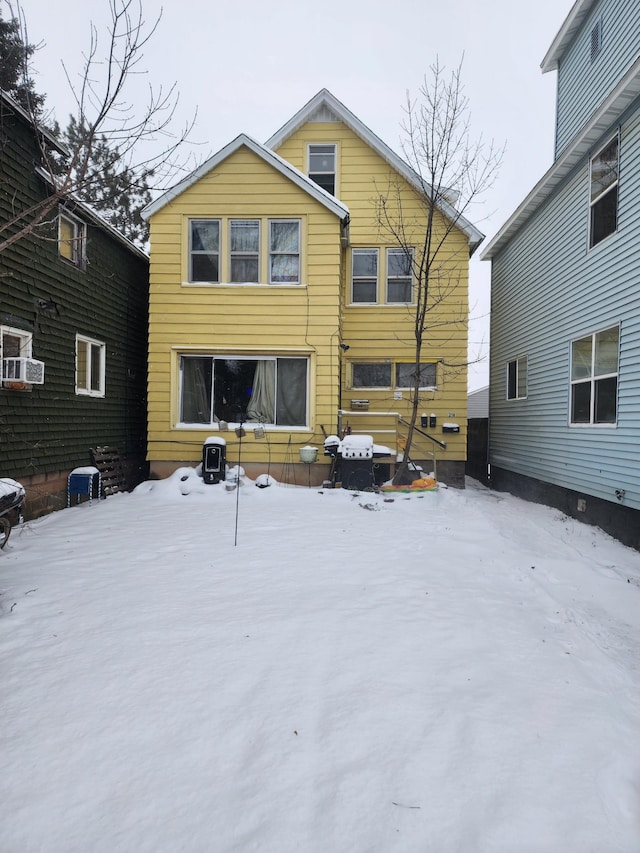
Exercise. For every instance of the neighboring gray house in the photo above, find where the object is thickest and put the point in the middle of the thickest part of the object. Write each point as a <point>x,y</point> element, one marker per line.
<point>565,304</point>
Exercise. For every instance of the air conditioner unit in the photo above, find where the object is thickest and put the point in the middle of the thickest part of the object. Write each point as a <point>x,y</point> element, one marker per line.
<point>26,370</point>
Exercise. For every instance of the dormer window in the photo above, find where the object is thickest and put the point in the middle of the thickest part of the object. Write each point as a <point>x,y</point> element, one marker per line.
<point>322,166</point>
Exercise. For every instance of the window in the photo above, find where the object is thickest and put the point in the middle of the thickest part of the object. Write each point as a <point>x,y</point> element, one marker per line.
<point>322,166</point>
<point>237,389</point>
<point>594,378</point>
<point>399,275</point>
<point>244,239</point>
<point>204,250</point>
<point>371,375</point>
<point>406,375</point>
<point>517,378</point>
<point>604,193</point>
<point>596,40</point>
<point>364,275</point>
<point>284,251</point>
<point>90,366</point>
<point>71,239</point>
<point>14,343</point>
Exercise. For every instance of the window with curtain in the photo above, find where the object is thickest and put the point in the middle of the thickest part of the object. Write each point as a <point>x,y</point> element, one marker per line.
<point>284,251</point>
<point>204,250</point>
<point>244,250</point>
<point>270,391</point>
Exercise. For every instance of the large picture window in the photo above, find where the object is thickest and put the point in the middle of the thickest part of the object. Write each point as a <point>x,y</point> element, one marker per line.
<point>270,391</point>
<point>90,366</point>
<point>284,251</point>
<point>604,193</point>
<point>204,250</point>
<point>594,377</point>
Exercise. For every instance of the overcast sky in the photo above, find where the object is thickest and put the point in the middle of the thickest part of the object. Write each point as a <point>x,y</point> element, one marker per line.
<point>249,66</point>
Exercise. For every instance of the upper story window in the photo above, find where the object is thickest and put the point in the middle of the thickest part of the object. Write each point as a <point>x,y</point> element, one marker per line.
<point>517,370</point>
<point>594,377</point>
<point>244,245</point>
<point>364,275</point>
<point>399,275</point>
<point>603,173</point>
<point>90,366</point>
<point>284,251</point>
<point>204,250</point>
<point>322,166</point>
<point>71,239</point>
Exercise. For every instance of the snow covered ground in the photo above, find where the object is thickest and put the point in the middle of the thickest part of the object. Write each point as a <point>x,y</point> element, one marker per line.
<point>452,672</point>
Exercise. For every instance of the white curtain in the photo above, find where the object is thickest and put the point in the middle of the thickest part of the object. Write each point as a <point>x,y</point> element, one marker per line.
<point>262,402</point>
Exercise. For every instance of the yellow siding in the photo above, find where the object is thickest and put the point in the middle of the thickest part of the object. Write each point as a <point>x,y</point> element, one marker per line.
<point>385,332</point>
<point>242,319</point>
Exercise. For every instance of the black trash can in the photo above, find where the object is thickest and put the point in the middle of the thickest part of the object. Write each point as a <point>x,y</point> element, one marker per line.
<point>214,459</point>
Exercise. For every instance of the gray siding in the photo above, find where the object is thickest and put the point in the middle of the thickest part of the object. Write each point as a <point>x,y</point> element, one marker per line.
<point>548,288</point>
<point>582,84</point>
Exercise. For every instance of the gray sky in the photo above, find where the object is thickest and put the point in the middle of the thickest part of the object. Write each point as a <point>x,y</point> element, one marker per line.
<point>249,66</point>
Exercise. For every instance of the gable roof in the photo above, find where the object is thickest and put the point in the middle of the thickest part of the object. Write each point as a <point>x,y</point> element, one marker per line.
<point>325,106</point>
<point>265,154</point>
<point>566,33</point>
<point>627,90</point>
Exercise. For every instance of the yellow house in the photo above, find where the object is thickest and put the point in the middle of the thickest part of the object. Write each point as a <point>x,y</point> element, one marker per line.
<point>278,304</point>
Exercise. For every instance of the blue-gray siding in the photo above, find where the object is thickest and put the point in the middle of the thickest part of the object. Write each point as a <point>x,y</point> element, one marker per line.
<point>548,288</point>
<point>582,84</point>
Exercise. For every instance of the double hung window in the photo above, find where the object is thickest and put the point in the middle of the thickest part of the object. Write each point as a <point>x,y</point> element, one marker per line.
<point>90,366</point>
<point>204,250</point>
<point>364,275</point>
<point>244,250</point>
<point>267,390</point>
<point>603,172</point>
<point>399,275</point>
<point>284,251</point>
<point>594,377</point>
<point>322,166</point>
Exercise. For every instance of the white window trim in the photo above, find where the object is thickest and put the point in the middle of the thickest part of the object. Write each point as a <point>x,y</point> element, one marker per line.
<point>375,249</point>
<point>422,364</point>
<point>88,392</point>
<point>191,251</point>
<point>237,254</point>
<point>593,201</point>
<point>297,283</point>
<point>310,172</point>
<point>79,239</point>
<point>592,379</point>
<point>389,278</point>
<point>25,337</point>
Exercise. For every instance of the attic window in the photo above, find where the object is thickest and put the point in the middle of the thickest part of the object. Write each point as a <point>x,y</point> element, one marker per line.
<point>596,40</point>
<point>322,166</point>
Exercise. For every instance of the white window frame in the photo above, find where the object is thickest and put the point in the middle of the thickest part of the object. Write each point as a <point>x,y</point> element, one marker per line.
<point>394,250</point>
<point>520,368</point>
<point>242,255</point>
<point>423,364</point>
<point>76,243</point>
<point>193,251</point>
<point>25,351</point>
<point>388,365</point>
<point>91,343</point>
<point>311,172</point>
<point>364,278</point>
<point>596,199</point>
<point>274,254</point>
<point>592,380</point>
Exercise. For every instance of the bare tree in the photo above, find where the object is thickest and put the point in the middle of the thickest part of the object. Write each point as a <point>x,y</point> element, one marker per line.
<point>451,172</point>
<point>142,138</point>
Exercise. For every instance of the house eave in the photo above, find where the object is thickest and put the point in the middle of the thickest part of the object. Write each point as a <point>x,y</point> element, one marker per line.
<point>566,34</point>
<point>325,97</point>
<point>601,121</point>
<point>270,157</point>
<point>47,136</point>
